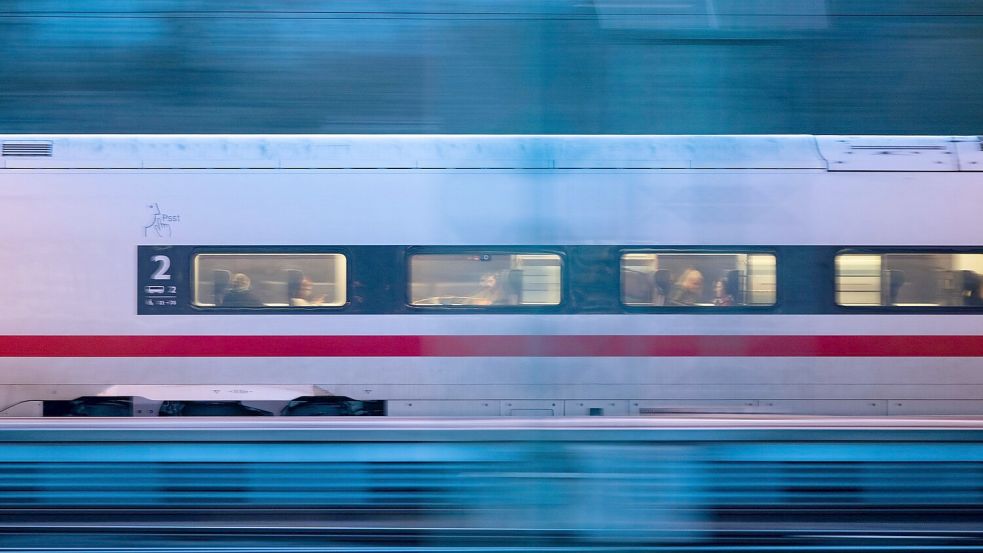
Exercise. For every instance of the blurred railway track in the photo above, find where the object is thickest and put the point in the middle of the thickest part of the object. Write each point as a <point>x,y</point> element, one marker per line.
<point>674,484</point>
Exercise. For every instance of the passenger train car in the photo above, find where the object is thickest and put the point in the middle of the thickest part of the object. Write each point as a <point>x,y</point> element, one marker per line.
<point>490,275</point>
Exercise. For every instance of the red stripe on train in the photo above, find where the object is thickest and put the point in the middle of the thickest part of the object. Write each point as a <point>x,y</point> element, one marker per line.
<point>491,346</point>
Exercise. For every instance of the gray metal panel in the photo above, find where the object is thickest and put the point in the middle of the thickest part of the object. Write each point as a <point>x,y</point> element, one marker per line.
<point>532,408</point>
<point>690,406</point>
<point>890,153</point>
<point>23,409</point>
<point>693,152</point>
<point>970,155</point>
<point>917,407</point>
<point>840,153</point>
<point>832,407</point>
<point>607,407</point>
<point>874,407</point>
<point>422,151</point>
<point>443,408</point>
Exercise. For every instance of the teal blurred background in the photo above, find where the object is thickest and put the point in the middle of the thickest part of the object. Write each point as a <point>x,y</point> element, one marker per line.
<point>492,66</point>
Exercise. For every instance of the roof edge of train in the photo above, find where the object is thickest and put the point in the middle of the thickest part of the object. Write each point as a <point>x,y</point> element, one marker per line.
<point>461,151</point>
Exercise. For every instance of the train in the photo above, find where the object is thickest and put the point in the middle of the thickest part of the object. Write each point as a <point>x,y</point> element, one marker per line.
<point>490,275</point>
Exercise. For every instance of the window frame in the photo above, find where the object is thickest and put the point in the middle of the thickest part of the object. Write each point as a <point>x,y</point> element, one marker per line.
<point>480,250</point>
<point>705,309</point>
<point>269,250</point>
<point>896,309</point>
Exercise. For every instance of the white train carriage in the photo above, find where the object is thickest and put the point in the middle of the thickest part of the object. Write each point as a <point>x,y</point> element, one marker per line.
<point>490,275</point>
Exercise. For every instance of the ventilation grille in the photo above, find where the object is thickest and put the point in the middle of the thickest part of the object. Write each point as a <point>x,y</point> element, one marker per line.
<point>27,149</point>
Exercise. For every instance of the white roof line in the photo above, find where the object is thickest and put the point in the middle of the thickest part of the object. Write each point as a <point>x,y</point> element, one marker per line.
<point>347,151</point>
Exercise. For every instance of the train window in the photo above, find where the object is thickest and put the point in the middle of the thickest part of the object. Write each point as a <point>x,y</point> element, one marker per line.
<point>698,279</point>
<point>909,279</point>
<point>485,279</point>
<point>269,280</point>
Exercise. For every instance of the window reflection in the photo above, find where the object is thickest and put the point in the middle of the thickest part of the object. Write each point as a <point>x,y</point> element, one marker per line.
<point>269,280</point>
<point>485,279</point>
<point>909,279</point>
<point>697,279</point>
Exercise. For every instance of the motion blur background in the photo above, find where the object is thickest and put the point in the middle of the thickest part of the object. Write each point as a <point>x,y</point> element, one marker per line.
<point>492,66</point>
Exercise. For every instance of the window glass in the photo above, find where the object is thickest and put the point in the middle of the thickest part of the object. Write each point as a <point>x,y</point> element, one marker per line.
<point>698,279</point>
<point>909,279</point>
<point>485,279</point>
<point>269,280</point>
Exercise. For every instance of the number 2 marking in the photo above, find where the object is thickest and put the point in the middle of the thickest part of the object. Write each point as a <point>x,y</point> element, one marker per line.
<point>163,264</point>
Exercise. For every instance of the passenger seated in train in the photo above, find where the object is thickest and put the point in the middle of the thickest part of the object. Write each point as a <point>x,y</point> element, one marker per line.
<point>688,290</point>
<point>646,288</point>
<point>301,292</point>
<point>662,287</point>
<point>896,279</point>
<point>240,294</point>
<point>722,296</point>
<point>495,289</point>
<point>972,289</point>
<point>488,292</point>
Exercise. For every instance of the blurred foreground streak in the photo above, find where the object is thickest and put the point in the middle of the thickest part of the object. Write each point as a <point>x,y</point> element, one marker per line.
<point>492,66</point>
<point>491,485</point>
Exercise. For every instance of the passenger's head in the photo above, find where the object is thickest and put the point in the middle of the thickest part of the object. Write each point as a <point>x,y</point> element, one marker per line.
<point>691,281</point>
<point>972,285</point>
<point>489,280</point>
<point>720,287</point>
<point>240,282</point>
<point>305,288</point>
